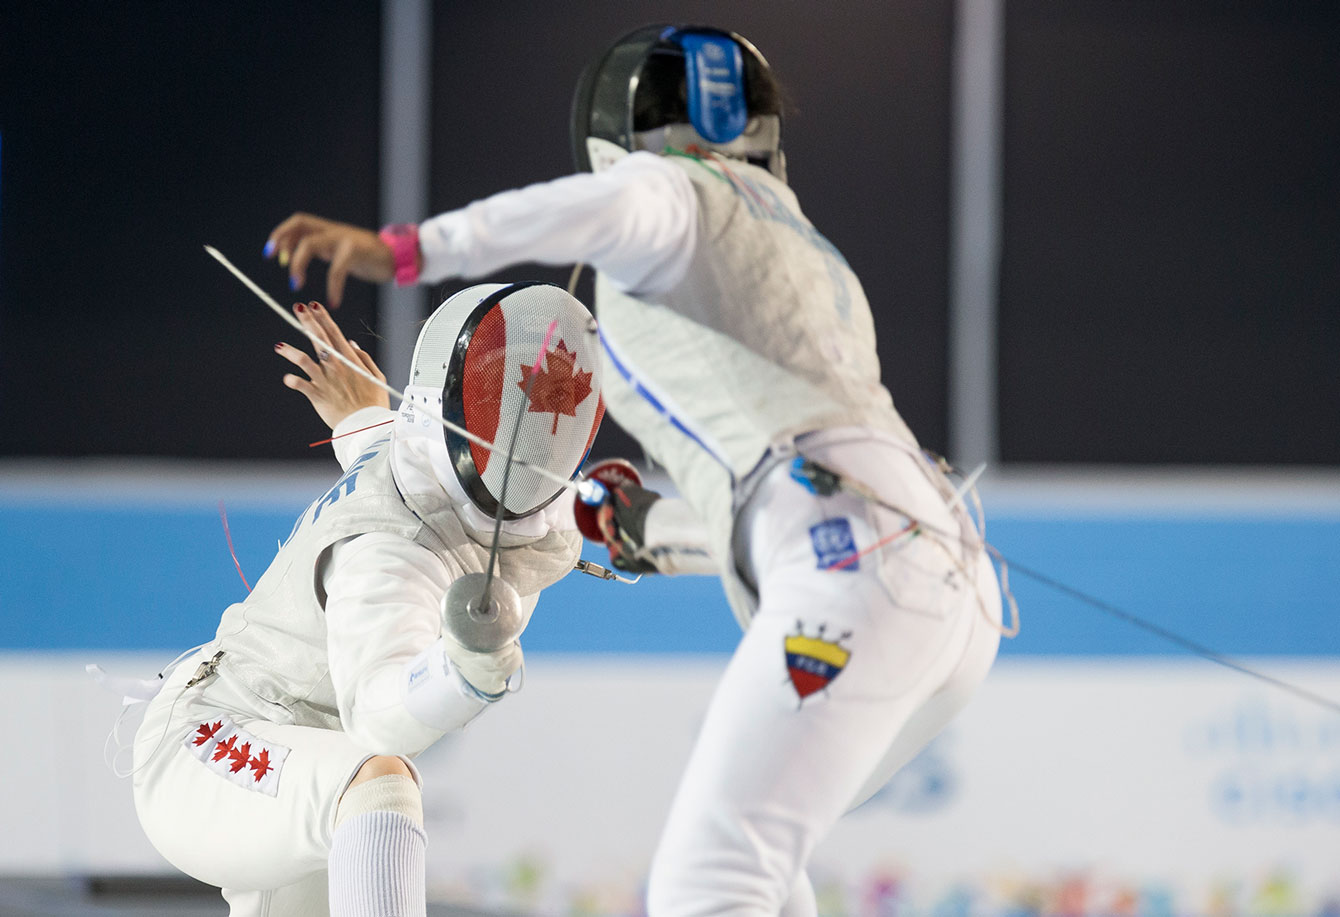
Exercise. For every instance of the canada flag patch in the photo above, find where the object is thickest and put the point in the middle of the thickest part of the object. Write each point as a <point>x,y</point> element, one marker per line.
<point>237,755</point>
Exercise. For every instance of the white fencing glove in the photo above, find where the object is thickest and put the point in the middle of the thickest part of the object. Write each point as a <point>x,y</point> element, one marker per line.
<point>488,672</point>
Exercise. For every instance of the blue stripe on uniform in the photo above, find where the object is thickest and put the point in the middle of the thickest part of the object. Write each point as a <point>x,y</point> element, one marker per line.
<point>643,392</point>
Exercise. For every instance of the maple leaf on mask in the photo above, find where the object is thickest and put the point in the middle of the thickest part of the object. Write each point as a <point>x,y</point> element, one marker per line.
<point>239,757</point>
<point>205,732</point>
<point>559,387</point>
<point>261,764</point>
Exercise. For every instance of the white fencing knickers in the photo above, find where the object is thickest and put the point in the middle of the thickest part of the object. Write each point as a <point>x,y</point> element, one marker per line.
<point>258,827</point>
<point>849,668</point>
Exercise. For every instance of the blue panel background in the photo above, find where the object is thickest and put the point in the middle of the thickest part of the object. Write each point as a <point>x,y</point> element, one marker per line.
<point>149,577</point>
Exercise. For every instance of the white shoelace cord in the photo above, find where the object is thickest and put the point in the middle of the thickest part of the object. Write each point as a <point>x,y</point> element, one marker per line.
<point>113,747</point>
<point>978,523</point>
<point>1085,598</point>
<point>955,503</point>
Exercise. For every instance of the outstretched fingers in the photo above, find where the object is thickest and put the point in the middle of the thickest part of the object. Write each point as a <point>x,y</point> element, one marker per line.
<point>317,244</point>
<point>299,384</point>
<point>286,236</point>
<point>341,262</point>
<point>300,359</point>
<point>366,359</point>
<point>323,325</point>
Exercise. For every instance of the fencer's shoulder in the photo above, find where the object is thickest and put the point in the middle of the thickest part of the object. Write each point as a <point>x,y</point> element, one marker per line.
<point>383,551</point>
<point>357,431</point>
<point>650,175</point>
<point>644,161</point>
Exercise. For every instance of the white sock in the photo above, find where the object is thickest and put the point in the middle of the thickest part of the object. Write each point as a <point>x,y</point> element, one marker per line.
<point>376,862</point>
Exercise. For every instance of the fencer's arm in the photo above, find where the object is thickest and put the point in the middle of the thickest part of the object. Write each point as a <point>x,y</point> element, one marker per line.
<point>382,624</point>
<point>648,533</point>
<point>636,222</point>
<point>677,539</point>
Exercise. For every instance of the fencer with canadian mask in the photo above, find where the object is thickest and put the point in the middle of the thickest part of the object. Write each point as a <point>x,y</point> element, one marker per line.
<point>736,339</point>
<point>275,762</point>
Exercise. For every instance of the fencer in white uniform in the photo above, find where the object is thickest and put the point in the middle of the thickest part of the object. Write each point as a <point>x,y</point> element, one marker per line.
<point>739,350</point>
<point>275,762</point>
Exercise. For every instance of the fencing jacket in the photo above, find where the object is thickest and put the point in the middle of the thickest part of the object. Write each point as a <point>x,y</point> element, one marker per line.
<point>728,324</point>
<point>386,542</point>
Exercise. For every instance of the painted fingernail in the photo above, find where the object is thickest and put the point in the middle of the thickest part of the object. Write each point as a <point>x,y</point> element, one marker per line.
<point>316,306</point>
<point>279,346</point>
<point>283,258</point>
<point>269,247</point>
<point>293,283</point>
<point>299,307</point>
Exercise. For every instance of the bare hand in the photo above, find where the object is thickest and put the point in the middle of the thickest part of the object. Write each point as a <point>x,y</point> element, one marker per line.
<point>349,249</point>
<point>334,390</point>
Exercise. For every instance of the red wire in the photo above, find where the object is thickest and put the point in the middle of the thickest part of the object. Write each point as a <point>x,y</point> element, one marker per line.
<point>848,561</point>
<point>322,442</point>
<point>229,535</point>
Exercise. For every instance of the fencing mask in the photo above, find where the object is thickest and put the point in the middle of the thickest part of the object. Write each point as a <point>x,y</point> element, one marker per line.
<point>678,86</point>
<point>474,362</point>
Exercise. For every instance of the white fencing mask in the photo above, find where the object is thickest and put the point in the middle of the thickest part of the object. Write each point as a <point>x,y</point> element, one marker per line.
<point>474,362</point>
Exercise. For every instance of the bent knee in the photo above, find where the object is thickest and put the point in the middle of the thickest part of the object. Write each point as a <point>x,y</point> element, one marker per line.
<point>383,783</point>
<point>380,766</point>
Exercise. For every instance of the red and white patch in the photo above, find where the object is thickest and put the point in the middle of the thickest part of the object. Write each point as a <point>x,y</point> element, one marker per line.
<point>237,755</point>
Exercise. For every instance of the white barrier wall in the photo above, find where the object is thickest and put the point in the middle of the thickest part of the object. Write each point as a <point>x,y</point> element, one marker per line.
<point>1068,786</point>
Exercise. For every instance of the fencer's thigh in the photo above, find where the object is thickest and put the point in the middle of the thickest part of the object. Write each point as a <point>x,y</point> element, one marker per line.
<point>953,695</point>
<point>772,770</point>
<point>828,684</point>
<point>221,825</point>
<point>774,746</point>
<point>932,605</point>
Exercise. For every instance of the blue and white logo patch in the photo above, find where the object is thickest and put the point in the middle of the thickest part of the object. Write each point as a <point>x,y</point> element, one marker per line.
<point>834,545</point>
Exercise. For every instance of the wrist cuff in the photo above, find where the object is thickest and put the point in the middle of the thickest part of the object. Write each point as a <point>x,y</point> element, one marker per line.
<point>438,696</point>
<point>403,239</point>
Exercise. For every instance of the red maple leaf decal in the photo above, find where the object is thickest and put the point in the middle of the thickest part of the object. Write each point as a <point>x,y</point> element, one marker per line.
<point>559,387</point>
<point>239,757</point>
<point>261,764</point>
<point>205,732</point>
<point>224,748</point>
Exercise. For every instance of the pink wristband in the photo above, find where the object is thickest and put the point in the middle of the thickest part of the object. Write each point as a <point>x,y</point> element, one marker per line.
<point>403,239</point>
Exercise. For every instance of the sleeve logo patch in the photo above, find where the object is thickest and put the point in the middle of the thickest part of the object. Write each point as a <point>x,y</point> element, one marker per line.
<point>236,755</point>
<point>834,545</point>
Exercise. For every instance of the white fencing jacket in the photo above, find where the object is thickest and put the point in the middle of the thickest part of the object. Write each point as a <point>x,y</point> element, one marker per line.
<point>729,325</point>
<point>342,630</point>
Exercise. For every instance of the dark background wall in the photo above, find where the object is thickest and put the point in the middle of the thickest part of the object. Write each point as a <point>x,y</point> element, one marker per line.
<point>1171,270</point>
<point>131,134</point>
<point>1169,285</point>
<point>866,135</point>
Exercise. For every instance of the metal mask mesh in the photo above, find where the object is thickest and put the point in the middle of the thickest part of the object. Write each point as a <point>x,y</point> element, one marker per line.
<point>485,349</point>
